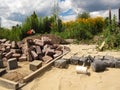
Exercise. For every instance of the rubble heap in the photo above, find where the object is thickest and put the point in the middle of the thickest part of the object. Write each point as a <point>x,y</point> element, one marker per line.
<point>32,49</point>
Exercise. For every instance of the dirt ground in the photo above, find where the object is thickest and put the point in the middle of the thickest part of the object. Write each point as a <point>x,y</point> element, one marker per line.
<point>68,79</point>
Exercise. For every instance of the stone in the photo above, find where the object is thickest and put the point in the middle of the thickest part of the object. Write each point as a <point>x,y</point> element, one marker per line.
<point>13,44</point>
<point>47,58</point>
<point>74,60</point>
<point>1,64</point>
<point>34,65</point>
<point>57,53</point>
<point>117,64</point>
<point>2,72</point>
<point>16,55</point>
<point>22,58</point>
<point>12,63</point>
<point>61,63</point>
<point>98,66</point>
<point>34,55</point>
<point>8,55</point>
<point>50,52</point>
<point>38,50</point>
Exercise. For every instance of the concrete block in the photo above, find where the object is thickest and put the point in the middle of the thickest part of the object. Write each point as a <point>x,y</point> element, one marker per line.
<point>34,65</point>
<point>74,60</point>
<point>16,55</point>
<point>61,63</point>
<point>2,72</point>
<point>12,63</point>
<point>117,64</point>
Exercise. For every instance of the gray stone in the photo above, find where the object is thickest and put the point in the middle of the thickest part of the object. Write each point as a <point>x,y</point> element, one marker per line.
<point>12,63</point>
<point>117,64</point>
<point>61,63</point>
<point>34,55</point>
<point>74,60</point>
<point>34,65</point>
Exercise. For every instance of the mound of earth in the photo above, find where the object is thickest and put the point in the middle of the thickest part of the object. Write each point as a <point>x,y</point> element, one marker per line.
<point>55,39</point>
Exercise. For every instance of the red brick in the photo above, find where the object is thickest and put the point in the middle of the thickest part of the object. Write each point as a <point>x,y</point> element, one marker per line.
<point>34,55</point>
<point>47,58</point>
<point>8,55</point>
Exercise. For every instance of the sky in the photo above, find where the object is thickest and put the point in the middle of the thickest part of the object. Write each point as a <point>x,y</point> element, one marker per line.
<point>14,12</point>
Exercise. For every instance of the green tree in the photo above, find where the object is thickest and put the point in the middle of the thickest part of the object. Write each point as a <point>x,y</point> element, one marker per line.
<point>84,15</point>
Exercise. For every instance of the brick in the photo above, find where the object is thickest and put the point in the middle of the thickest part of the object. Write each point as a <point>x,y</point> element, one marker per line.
<point>22,58</point>
<point>7,49</point>
<point>57,53</point>
<point>8,55</point>
<point>34,65</point>
<point>29,57</point>
<point>47,58</point>
<point>7,42</point>
<point>117,64</point>
<point>38,50</point>
<point>16,55</point>
<point>34,55</point>
<point>2,72</point>
<point>3,40</point>
<point>13,44</point>
<point>12,63</point>
<point>39,43</point>
<point>16,51</point>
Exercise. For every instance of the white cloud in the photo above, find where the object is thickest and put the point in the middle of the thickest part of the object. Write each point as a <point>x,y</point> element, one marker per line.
<point>44,7</point>
<point>8,23</point>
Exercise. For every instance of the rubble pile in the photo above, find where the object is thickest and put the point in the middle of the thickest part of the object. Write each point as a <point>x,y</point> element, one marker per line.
<point>32,49</point>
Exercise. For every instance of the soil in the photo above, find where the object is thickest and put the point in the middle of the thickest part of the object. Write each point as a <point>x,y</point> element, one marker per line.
<point>68,79</point>
<point>55,39</point>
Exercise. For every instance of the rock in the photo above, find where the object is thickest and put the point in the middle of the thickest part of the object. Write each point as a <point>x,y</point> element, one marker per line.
<point>12,63</point>
<point>61,63</point>
<point>74,60</point>
<point>98,66</point>
<point>34,65</point>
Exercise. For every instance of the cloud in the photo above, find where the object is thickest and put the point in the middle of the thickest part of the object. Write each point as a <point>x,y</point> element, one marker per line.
<point>8,23</point>
<point>17,10</point>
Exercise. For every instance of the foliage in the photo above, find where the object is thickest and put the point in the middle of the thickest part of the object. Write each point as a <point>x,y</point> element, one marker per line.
<point>84,15</point>
<point>111,34</point>
<point>82,28</point>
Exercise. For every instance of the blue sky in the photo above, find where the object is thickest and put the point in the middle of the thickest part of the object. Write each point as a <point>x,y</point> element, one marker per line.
<point>15,12</point>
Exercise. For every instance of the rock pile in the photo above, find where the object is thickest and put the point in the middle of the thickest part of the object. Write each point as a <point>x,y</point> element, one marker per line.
<point>32,49</point>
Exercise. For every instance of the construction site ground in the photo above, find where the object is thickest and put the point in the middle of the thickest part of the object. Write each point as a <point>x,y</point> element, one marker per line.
<point>68,79</point>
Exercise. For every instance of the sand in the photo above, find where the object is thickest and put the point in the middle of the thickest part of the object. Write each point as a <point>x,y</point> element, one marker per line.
<point>68,79</point>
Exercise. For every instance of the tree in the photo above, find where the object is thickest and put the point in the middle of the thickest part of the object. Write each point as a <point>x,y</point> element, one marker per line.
<point>84,15</point>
